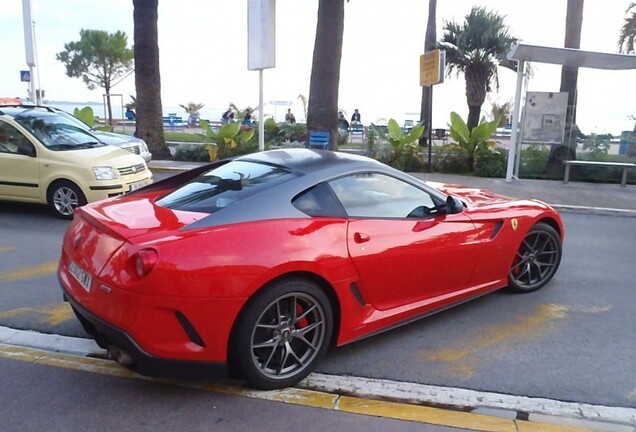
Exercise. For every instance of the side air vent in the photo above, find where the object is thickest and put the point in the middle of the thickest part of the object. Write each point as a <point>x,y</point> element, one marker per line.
<point>356,293</point>
<point>496,230</point>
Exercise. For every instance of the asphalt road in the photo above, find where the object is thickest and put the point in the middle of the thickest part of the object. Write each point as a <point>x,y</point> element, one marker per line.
<point>45,398</point>
<point>574,340</point>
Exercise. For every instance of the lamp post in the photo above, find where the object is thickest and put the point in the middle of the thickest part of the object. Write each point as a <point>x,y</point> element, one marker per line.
<point>29,45</point>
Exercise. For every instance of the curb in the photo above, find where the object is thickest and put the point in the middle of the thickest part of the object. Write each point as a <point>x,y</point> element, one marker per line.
<point>446,406</point>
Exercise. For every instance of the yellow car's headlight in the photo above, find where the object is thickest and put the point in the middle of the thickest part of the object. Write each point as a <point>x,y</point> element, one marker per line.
<point>105,173</point>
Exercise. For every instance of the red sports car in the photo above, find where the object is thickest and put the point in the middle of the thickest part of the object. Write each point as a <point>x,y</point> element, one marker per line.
<point>262,262</point>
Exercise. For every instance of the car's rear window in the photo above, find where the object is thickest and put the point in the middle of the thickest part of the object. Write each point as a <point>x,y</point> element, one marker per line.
<point>225,185</point>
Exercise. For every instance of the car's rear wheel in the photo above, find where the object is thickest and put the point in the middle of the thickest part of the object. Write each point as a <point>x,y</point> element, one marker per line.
<point>281,334</point>
<point>64,197</point>
<point>536,260</point>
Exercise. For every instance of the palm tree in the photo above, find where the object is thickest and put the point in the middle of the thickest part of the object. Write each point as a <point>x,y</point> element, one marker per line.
<point>628,32</point>
<point>426,107</point>
<point>626,45</point>
<point>325,71</point>
<point>476,48</point>
<point>147,79</point>
<point>192,109</point>
<point>570,74</point>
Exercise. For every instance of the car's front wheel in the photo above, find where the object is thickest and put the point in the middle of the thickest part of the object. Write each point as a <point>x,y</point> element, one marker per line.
<point>64,197</point>
<point>536,260</point>
<point>281,334</point>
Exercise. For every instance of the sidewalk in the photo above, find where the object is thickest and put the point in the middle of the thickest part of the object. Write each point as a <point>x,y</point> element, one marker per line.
<point>598,198</point>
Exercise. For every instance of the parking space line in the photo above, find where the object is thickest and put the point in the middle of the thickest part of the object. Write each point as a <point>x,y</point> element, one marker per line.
<point>53,314</point>
<point>29,272</point>
<point>298,396</point>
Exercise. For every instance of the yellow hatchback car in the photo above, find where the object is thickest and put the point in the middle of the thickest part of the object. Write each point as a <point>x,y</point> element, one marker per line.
<point>45,158</point>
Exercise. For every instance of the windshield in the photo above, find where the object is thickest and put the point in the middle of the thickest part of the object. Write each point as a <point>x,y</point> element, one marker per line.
<point>225,185</point>
<point>57,132</point>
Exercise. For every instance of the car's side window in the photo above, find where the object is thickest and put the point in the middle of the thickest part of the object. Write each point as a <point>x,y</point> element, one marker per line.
<point>12,141</point>
<point>319,201</point>
<point>377,195</point>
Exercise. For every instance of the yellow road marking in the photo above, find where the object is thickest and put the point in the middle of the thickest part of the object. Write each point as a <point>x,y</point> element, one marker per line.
<point>29,272</point>
<point>393,410</point>
<point>542,321</point>
<point>53,315</point>
<point>632,395</point>
<point>6,248</point>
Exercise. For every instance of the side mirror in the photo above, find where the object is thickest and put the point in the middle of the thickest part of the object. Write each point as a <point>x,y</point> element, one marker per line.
<point>453,205</point>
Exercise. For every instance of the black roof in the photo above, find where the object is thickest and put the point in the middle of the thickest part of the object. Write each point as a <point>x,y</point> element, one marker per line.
<point>306,161</point>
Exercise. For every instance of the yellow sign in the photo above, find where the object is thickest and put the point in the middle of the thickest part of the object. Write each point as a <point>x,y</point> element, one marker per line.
<point>432,67</point>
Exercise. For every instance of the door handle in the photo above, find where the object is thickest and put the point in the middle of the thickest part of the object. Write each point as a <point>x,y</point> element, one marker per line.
<point>361,237</point>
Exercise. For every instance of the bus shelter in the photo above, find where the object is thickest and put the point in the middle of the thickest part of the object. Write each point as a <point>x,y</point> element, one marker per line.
<point>524,53</point>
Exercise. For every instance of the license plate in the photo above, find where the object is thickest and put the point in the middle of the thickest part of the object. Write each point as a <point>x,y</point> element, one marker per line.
<point>139,185</point>
<point>81,276</point>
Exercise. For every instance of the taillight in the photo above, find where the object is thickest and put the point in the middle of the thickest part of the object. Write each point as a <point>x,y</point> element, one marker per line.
<point>144,261</point>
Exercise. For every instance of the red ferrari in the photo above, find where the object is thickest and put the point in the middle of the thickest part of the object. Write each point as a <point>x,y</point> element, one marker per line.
<point>257,265</point>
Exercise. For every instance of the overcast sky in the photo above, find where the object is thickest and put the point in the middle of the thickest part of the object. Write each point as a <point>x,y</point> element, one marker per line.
<point>203,54</point>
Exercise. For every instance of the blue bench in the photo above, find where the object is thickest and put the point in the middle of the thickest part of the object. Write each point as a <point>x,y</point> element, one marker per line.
<point>318,140</point>
<point>173,122</point>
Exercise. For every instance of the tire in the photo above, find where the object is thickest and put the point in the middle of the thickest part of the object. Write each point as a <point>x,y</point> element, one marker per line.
<point>64,197</point>
<point>281,335</point>
<point>537,259</point>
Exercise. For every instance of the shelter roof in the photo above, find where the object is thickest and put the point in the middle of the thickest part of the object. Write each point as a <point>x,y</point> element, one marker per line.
<point>572,57</point>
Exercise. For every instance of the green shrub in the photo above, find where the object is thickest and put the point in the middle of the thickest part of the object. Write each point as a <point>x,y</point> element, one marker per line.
<point>491,163</point>
<point>451,159</point>
<point>534,161</point>
<point>192,153</point>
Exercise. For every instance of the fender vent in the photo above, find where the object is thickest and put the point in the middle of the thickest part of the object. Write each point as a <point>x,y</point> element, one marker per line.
<point>189,329</point>
<point>496,230</point>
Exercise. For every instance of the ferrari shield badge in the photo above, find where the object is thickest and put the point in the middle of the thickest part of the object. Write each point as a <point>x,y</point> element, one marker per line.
<point>515,224</point>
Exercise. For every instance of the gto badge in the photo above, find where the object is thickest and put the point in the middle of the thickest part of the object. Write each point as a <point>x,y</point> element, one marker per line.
<point>515,224</point>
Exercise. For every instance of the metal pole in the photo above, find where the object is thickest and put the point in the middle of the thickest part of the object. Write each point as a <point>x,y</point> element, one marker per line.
<point>261,123</point>
<point>430,131</point>
<point>521,65</point>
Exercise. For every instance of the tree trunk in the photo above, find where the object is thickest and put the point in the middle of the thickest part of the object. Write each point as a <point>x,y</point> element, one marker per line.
<point>325,72</point>
<point>147,78</point>
<point>109,107</point>
<point>476,90</point>
<point>426,109</point>
<point>569,74</point>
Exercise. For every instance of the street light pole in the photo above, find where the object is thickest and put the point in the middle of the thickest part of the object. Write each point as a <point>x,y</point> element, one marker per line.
<point>29,45</point>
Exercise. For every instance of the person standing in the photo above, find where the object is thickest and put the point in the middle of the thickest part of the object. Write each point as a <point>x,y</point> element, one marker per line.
<point>289,117</point>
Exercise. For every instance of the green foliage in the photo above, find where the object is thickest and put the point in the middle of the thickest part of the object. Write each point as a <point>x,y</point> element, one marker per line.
<point>87,115</point>
<point>293,132</point>
<point>192,107</point>
<point>401,151</point>
<point>451,158</point>
<point>272,129</point>
<point>99,58</point>
<point>534,161</point>
<point>476,48</point>
<point>229,140</point>
<point>472,141</point>
<point>491,163</point>
<point>133,102</point>
<point>192,153</point>
<point>501,111</point>
<point>597,146</point>
<point>627,37</point>
<point>184,136</point>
